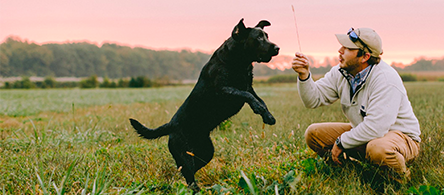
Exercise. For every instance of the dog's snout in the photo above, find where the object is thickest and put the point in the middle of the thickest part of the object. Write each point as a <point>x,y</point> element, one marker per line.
<point>276,49</point>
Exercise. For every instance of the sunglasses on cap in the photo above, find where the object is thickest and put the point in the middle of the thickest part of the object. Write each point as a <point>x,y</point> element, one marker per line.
<point>354,37</point>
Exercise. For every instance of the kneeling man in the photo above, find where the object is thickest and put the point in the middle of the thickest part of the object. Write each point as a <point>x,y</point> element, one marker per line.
<point>383,128</point>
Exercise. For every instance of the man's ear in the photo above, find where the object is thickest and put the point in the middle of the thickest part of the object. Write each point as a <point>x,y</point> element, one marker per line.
<point>366,57</point>
<point>239,30</point>
<point>263,23</point>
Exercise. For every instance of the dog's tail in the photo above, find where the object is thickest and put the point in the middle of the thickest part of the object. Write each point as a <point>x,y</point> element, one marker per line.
<point>148,133</point>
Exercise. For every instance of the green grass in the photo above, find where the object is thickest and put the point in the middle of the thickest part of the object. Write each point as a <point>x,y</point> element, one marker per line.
<point>49,146</point>
<point>31,102</point>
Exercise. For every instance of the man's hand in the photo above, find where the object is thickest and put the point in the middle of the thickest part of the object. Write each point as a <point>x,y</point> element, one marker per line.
<point>300,64</point>
<point>335,152</point>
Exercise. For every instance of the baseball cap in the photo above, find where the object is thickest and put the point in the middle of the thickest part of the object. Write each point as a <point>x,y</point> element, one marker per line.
<point>362,38</point>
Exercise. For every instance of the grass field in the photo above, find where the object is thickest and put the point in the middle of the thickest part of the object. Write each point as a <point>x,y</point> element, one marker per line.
<point>80,142</point>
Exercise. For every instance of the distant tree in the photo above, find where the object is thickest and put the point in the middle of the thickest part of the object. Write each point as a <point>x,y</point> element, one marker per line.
<point>123,83</point>
<point>133,83</point>
<point>292,78</point>
<point>137,82</point>
<point>115,64</point>
<point>7,85</point>
<point>90,82</point>
<point>320,70</point>
<point>140,81</point>
<point>66,61</point>
<point>113,85</point>
<point>107,83</point>
<point>25,83</point>
<point>70,84</point>
<point>4,61</point>
<point>49,82</point>
<point>408,77</point>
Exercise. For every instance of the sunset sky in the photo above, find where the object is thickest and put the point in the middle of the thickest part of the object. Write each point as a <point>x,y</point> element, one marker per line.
<point>409,29</point>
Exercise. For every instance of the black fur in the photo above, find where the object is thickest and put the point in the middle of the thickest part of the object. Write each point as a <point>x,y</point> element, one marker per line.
<point>223,87</point>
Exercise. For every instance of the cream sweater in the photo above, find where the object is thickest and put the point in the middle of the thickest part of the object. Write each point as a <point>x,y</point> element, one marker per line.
<point>380,105</point>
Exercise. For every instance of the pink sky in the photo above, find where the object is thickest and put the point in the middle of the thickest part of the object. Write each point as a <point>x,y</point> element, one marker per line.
<point>409,29</point>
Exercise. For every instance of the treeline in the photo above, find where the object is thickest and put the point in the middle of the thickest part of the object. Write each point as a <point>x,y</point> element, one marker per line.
<point>21,58</point>
<point>423,65</point>
<point>90,82</point>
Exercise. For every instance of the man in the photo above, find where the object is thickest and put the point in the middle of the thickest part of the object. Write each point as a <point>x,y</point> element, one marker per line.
<point>383,128</point>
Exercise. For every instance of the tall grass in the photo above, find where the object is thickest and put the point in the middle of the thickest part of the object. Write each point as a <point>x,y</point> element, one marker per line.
<point>80,142</point>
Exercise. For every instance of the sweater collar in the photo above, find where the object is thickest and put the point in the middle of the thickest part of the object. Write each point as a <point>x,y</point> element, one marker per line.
<point>358,79</point>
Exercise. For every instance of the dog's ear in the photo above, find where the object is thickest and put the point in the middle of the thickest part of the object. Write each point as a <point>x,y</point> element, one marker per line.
<point>239,30</point>
<point>263,23</point>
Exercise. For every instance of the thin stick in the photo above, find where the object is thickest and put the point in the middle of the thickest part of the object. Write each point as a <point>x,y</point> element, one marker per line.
<point>297,32</point>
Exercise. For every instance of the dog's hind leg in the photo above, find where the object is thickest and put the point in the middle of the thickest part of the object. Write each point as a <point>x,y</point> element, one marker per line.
<point>190,155</point>
<point>180,149</point>
<point>203,151</point>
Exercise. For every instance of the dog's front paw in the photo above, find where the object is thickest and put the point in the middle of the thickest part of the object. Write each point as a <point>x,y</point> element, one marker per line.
<point>268,119</point>
<point>258,108</point>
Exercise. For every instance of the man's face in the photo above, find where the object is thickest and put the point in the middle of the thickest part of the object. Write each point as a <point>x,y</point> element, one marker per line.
<point>348,59</point>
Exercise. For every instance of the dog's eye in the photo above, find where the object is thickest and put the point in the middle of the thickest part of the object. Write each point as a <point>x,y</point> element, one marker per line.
<point>260,38</point>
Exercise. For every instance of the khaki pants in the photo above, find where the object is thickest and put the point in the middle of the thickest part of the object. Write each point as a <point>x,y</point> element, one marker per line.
<point>393,150</point>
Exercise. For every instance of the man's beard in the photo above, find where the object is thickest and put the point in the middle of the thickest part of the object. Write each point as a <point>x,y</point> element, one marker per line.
<point>351,65</point>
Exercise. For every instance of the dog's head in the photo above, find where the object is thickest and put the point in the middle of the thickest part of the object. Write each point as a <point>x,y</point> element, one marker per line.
<point>255,41</point>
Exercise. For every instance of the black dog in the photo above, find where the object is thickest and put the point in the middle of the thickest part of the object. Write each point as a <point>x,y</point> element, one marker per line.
<point>224,86</point>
